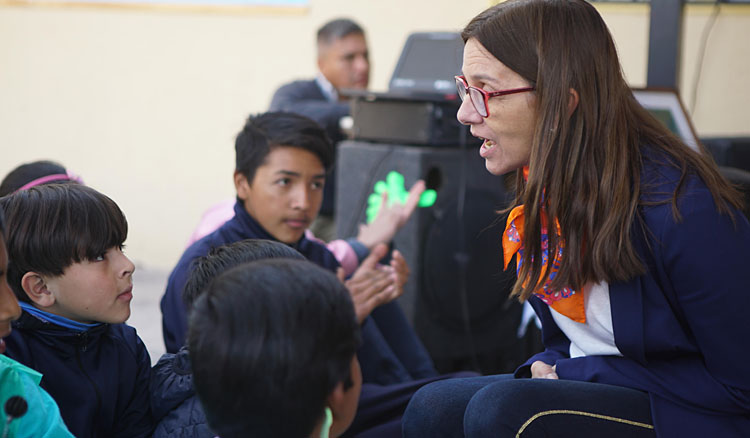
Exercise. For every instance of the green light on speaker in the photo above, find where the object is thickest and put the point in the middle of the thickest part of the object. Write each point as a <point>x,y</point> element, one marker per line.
<point>394,187</point>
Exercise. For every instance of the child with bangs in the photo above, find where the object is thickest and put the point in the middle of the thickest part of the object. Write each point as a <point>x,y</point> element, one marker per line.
<point>74,285</point>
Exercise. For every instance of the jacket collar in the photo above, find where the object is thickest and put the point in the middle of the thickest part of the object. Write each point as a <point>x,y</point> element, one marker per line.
<point>243,226</point>
<point>247,227</point>
<point>29,322</point>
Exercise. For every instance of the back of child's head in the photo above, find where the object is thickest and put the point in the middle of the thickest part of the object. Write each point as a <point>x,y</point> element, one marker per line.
<point>219,259</point>
<point>33,174</point>
<point>266,131</point>
<point>50,227</point>
<point>269,341</point>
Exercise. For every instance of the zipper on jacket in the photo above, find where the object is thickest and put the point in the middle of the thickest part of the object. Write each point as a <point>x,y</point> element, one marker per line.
<point>83,338</point>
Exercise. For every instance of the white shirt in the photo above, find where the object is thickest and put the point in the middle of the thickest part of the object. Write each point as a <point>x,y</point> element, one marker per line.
<point>596,337</point>
<point>329,91</point>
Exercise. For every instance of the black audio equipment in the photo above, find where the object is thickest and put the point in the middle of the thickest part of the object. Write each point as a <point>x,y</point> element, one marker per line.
<point>393,119</point>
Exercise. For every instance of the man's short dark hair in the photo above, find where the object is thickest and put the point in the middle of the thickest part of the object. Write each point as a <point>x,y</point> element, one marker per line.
<point>337,29</point>
<point>50,227</point>
<point>27,172</point>
<point>269,341</point>
<point>219,259</point>
<point>266,131</point>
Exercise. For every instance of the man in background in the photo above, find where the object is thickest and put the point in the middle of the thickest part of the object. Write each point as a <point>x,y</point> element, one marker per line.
<point>343,64</point>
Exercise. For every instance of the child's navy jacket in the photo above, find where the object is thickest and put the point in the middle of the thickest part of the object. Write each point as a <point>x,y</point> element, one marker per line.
<point>176,407</point>
<point>242,226</point>
<point>99,378</point>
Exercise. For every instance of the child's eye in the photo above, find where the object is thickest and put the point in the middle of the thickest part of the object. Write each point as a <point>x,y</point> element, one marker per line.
<point>317,185</point>
<point>101,257</point>
<point>283,181</point>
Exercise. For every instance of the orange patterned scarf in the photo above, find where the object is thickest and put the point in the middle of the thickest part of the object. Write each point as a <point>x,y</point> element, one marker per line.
<point>566,301</point>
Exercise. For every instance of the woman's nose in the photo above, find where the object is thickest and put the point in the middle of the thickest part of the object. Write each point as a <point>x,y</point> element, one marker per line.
<point>467,114</point>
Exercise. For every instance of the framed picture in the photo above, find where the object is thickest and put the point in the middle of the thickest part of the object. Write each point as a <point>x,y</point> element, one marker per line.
<point>666,106</point>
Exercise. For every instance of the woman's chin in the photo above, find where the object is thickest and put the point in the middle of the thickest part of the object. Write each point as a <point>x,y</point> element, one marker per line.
<point>497,168</point>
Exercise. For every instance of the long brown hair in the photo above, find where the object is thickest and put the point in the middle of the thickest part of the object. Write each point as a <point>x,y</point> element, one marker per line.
<point>584,168</point>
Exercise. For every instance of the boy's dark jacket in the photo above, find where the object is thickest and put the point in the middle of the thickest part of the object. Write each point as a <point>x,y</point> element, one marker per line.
<point>390,352</point>
<point>99,378</point>
<point>240,227</point>
<point>176,408</point>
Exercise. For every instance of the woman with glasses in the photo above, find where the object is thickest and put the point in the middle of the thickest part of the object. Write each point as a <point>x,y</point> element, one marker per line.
<point>628,244</point>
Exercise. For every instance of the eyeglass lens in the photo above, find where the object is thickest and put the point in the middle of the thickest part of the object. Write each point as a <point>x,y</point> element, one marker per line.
<point>461,88</point>
<point>476,97</point>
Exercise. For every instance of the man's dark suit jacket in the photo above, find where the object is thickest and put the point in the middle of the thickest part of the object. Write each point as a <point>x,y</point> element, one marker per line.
<point>306,98</point>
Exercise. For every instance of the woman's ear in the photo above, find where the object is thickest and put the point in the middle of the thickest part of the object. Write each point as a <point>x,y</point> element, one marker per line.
<point>35,287</point>
<point>572,101</point>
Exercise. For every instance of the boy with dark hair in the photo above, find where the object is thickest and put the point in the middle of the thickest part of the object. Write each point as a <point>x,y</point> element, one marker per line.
<point>74,283</point>
<point>281,164</point>
<point>280,168</point>
<point>174,403</point>
<point>282,159</point>
<point>273,343</point>
<point>219,259</point>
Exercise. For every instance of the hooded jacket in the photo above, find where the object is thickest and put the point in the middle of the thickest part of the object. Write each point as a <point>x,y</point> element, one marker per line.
<point>176,407</point>
<point>99,377</point>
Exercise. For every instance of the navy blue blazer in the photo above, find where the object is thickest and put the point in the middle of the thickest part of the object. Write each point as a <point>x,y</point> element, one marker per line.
<point>680,325</point>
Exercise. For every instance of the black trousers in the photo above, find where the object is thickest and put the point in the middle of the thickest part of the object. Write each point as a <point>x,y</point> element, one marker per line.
<point>382,406</point>
<point>501,406</point>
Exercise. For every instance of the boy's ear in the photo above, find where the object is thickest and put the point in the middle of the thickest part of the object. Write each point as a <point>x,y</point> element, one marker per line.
<point>336,397</point>
<point>242,185</point>
<point>35,287</point>
<point>339,403</point>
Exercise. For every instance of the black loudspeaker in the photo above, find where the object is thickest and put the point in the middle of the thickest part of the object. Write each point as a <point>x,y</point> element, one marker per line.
<point>457,296</point>
<point>730,151</point>
<point>741,180</point>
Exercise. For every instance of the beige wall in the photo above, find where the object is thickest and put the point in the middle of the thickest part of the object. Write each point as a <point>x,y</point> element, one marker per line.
<point>144,104</point>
